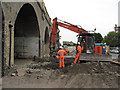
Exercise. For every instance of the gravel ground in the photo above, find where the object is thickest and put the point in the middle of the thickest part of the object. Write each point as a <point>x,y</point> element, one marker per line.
<point>45,73</point>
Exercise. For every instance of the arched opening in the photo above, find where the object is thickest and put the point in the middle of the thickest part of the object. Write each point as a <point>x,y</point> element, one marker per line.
<point>46,36</point>
<point>46,41</point>
<point>26,33</point>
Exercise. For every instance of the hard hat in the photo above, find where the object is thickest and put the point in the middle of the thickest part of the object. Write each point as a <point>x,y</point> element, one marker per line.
<point>60,47</point>
<point>78,42</point>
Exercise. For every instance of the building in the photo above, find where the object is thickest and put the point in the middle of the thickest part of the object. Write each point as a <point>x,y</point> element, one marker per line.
<point>25,33</point>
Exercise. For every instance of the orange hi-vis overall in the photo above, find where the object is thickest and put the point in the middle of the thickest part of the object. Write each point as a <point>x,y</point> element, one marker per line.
<point>61,57</point>
<point>78,54</point>
<point>66,50</point>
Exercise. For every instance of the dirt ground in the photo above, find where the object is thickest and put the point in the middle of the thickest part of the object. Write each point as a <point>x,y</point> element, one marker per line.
<point>45,73</point>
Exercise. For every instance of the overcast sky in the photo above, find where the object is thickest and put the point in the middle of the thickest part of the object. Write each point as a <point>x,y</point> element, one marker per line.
<point>90,14</point>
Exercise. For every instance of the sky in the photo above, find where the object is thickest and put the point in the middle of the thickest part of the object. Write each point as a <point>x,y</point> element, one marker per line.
<point>90,14</point>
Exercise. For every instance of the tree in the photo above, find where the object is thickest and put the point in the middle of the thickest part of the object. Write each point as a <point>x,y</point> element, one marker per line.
<point>98,37</point>
<point>111,39</point>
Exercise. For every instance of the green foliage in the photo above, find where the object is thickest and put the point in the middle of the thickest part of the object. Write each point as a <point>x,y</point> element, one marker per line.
<point>112,39</point>
<point>98,37</point>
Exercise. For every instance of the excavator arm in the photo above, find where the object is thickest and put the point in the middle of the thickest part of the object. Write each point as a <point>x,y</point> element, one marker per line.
<point>66,25</point>
<point>72,28</point>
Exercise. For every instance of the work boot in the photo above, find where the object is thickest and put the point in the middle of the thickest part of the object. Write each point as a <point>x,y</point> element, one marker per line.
<point>75,62</point>
<point>78,62</point>
<point>60,65</point>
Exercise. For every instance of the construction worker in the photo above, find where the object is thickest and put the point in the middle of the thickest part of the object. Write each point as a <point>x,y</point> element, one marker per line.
<point>61,53</point>
<point>66,50</point>
<point>79,49</point>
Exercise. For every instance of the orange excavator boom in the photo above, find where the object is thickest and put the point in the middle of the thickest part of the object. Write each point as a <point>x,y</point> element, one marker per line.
<point>66,25</point>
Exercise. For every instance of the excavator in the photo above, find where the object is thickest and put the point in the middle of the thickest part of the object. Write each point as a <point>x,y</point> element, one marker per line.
<point>85,39</point>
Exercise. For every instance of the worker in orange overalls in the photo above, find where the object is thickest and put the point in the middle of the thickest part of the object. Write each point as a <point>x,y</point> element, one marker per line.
<point>66,50</point>
<point>79,49</point>
<point>61,53</point>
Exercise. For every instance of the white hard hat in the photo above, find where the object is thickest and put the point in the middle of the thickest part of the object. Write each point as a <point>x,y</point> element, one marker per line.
<point>78,42</point>
<point>60,47</point>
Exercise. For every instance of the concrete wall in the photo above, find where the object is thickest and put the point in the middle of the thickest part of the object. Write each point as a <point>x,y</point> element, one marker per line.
<point>0,38</point>
<point>46,42</point>
<point>26,47</point>
<point>27,40</point>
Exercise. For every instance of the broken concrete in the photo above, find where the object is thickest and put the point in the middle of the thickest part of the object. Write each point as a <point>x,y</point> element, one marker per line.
<point>48,75</point>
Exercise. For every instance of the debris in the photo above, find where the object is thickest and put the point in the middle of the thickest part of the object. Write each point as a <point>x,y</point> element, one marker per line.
<point>28,71</point>
<point>38,77</point>
<point>21,73</point>
<point>63,76</point>
<point>116,62</point>
<point>13,74</point>
<point>43,74</point>
<point>48,68</point>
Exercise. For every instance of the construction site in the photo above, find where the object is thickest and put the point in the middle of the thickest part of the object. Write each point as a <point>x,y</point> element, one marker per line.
<point>29,46</point>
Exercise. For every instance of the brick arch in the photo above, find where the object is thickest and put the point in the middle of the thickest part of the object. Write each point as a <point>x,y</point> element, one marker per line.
<point>11,11</point>
<point>26,29</point>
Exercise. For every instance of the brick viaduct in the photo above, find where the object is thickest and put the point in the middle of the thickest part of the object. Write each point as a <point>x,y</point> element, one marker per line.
<point>26,28</point>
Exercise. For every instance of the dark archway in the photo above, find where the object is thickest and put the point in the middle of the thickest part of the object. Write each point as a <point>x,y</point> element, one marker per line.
<point>46,41</point>
<point>27,35</point>
<point>46,36</point>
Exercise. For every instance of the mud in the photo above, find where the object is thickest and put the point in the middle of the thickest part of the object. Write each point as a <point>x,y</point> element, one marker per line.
<point>45,73</point>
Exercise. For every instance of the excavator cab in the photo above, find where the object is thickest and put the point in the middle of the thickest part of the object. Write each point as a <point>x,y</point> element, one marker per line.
<point>87,41</point>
